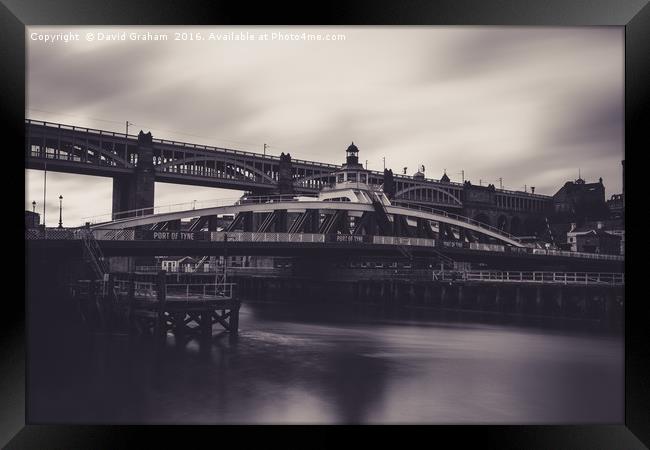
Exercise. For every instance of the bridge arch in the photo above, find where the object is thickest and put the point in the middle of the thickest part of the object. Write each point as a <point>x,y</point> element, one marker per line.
<point>428,191</point>
<point>314,181</point>
<point>238,167</point>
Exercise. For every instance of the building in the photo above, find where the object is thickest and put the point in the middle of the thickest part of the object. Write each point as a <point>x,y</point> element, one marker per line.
<point>593,240</point>
<point>578,201</point>
<point>616,206</point>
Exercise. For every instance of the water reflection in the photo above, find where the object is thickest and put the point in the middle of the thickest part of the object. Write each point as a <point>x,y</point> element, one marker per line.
<point>292,366</point>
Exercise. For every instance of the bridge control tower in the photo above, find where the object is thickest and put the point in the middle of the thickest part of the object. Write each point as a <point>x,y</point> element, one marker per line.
<point>352,170</point>
<point>352,158</point>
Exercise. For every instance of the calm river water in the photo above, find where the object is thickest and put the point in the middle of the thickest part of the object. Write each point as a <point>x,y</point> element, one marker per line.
<point>294,367</point>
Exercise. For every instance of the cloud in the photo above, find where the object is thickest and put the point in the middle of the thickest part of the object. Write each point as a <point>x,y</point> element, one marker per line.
<point>529,105</point>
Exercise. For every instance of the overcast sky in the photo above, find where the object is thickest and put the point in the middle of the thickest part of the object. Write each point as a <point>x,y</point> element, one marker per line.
<point>530,105</point>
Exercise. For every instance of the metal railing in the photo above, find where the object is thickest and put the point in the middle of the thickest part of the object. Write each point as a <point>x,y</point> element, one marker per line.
<point>538,251</point>
<point>245,236</point>
<point>573,278</point>
<point>487,247</point>
<point>142,289</point>
<point>393,240</point>
<point>199,291</point>
<point>174,269</point>
<point>174,291</point>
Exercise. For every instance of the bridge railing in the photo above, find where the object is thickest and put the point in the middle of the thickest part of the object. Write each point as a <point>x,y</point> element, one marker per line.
<point>487,247</point>
<point>266,237</point>
<point>393,240</point>
<point>60,126</point>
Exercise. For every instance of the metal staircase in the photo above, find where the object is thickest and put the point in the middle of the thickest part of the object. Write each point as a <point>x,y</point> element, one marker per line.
<point>382,216</point>
<point>93,254</point>
<point>200,263</point>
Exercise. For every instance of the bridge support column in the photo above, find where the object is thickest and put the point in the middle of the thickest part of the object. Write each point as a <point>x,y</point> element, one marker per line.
<point>136,191</point>
<point>285,181</point>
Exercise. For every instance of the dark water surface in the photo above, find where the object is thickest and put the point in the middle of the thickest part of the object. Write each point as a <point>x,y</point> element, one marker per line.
<point>307,366</point>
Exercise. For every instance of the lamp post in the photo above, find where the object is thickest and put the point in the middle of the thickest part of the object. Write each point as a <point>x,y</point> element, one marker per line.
<point>34,224</point>
<point>60,211</point>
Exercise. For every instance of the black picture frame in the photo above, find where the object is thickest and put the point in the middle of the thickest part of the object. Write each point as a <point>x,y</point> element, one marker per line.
<point>634,15</point>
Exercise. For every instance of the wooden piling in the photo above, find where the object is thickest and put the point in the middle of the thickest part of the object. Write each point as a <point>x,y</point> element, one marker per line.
<point>160,329</point>
<point>234,321</point>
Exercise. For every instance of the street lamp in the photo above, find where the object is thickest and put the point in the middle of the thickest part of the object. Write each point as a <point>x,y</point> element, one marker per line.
<point>60,211</point>
<point>34,214</point>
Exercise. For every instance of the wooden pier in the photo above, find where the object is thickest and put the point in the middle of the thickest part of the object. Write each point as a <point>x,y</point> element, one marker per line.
<point>590,296</point>
<point>156,307</point>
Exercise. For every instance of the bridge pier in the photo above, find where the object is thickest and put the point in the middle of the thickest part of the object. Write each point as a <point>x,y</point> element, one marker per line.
<point>136,191</point>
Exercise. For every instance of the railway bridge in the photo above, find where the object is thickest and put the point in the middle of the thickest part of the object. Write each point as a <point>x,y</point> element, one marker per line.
<point>136,162</point>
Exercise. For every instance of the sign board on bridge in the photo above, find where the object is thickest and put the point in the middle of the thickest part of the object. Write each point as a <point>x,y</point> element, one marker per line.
<point>149,235</point>
<point>349,238</point>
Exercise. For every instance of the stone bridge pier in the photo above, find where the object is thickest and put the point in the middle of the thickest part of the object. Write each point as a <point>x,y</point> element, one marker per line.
<point>136,191</point>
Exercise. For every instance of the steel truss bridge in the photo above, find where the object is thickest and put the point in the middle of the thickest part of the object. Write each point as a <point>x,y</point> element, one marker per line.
<point>283,214</point>
<point>72,149</point>
<point>273,223</point>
